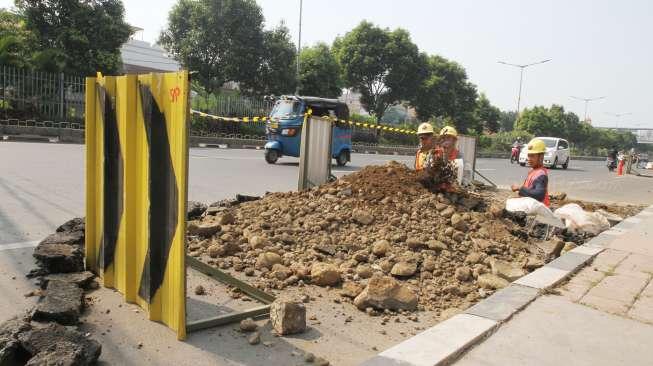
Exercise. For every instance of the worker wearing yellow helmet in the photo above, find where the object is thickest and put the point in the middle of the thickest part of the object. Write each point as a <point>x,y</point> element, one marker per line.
<point>427,145</point>
<point>447,145</point>
<point>536,184</point>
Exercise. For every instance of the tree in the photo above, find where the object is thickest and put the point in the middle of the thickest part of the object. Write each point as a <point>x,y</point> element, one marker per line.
<point>276,67</point>
<point>507,120</point>
<point>319,73</point>
<point>487,114</point>
<point>17,44</point>
<point>384,66</point>
<point>445,93</point>
<point>83,36</point>
<point>222,40</point>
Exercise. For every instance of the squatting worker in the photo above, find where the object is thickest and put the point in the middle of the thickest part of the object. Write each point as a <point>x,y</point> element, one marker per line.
<point>426,145</point>
<point>537,181</point>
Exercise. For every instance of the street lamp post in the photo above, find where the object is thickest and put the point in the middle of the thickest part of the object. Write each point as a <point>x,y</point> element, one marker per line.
<point>587,100</point>
<point>618,115</point>
<point>299,44</point>
<point>521,77</point>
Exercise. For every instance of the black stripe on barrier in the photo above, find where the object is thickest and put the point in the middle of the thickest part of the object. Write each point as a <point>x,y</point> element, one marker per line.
<point>113,181</point>
<point>163,194</point>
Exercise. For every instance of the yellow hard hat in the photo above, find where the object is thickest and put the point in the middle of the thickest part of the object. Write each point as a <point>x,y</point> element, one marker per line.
<point>424,128</point>
<point>448,130</point>
<point>536,146</point>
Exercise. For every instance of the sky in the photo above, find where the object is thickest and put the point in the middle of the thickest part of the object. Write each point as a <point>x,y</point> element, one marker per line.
<point>597,48</point>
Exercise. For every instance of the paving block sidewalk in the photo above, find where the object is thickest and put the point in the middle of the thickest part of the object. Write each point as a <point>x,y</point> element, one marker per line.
<point>601,316</point>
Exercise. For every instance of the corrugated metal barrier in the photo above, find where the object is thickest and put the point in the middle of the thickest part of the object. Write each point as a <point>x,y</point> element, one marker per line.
<point>136,189</point>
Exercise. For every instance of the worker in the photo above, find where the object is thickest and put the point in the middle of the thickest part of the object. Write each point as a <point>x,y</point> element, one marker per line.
<point>537,181</point>
<point>427,145</point>
<point>447,145</point>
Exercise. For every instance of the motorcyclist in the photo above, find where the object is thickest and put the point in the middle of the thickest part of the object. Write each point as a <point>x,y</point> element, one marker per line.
<point>612,153</point>
<point>537,182</point>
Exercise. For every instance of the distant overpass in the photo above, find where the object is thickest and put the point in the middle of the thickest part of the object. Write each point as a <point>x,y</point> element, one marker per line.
<point>644,134</point>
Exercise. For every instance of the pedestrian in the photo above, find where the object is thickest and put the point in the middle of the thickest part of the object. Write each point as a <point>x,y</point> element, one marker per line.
<point>536,184</point>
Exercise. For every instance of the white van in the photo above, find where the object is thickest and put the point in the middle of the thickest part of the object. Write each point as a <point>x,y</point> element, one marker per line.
<point>557,153</point>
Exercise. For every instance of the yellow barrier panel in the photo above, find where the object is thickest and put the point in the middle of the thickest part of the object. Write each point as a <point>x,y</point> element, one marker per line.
<point>136,189</point>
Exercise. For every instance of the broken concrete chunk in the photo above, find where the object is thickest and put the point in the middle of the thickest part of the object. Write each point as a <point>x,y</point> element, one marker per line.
<point>404,269</point>
<point>195,209</point>
<point>76,224</point>
<point>204,229</point>
<point>383,292</point>
<point>81,279</point>
<point>381,247</point>
<point>10,352</point>
<point>65,237</point>
<point>325,274</point>
<point>267,260</point>
<point>551,248</point>
<point>491,282</point>
<point>248,325</point>
<point>362,217</point>
<point>59,354</point>
<point>288,317</point>
<point>41,339</point>
<point>506,270</point>
<point>351,289</point>
<point>60,258</point>
<point>62,303</point>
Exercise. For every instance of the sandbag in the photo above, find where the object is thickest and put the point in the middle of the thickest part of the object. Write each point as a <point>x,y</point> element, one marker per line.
<point>528,205</point>
<point>580,221</point>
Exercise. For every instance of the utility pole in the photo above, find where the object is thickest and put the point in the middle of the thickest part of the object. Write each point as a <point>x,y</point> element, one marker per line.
<point>618,115</point>
<point>587,101</point>
<point>299,44</point>
<point>521,77</point>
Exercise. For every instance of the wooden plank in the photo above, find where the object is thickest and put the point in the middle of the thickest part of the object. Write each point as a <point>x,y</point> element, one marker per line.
<point>227,318</point>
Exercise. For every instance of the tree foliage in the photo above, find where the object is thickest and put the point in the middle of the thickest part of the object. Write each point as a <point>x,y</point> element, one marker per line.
<point>507,120</point>
<point>384,66</point>
<point>486,114</point>
<point>222,40</point>
<point>319,73</point>
<point>80,37</point>
<point>445,92</point>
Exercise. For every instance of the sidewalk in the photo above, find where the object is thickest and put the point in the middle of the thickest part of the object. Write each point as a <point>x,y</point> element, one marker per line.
<point>601,316</point>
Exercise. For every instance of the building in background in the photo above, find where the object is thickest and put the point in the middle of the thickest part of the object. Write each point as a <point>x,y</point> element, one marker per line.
<point>139,56</point>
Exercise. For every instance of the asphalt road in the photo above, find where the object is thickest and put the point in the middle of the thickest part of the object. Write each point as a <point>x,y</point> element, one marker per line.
<point>42,185</point>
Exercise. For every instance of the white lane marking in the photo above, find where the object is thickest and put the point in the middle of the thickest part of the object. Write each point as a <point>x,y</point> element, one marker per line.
<point>226,157</point>
<point>485,169</point>
<point>581,181</point>
<point>26,244</point>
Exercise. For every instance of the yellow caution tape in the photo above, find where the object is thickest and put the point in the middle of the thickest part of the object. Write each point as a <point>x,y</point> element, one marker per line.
<point>309,113</point>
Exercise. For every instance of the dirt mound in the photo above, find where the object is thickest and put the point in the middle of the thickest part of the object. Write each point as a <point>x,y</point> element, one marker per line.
<point>448,249</point>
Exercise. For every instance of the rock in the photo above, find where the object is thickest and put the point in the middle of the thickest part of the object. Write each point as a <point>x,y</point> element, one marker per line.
<point>10,351</point>
<point>436,245</point>
<point>364,271</point>
<point>386,265</point>
<point>214,250</point>
<point>254,338</point>
<point>309,357</point>
<point>458,222</point>
<point>381,247</point>
<point>448,212</point>
<point>59,354</point>
<point>248,325</point>
<point>280,272</point>
<point>570,245</point>
<point>429,265</point>
<point>463,274</point>
<point>533,263</point>
<point>325,249</point>
<point>258,242</point>
<point>80,279</point>
<point>415,244</point>
<point>288,317</point>
<point>200,290</point>
<point>506,270</point>
<point>226,218</point>
<point>267,260</point>
<point>203,229</point>
<point>65,237</point>
<point>473,258</point>
<point>551,248</point>
<point>60,258</point>
<point>491,282</point>
<point>383,292</point>
<point>404,269</point>
<point>321,362</point>
<point>362,217</point>
<point>76,224</point>
<point>62,303</point>
<point>195,209</point>
<point>351,289</point>
<point>42,339</point>
<point>325,274</point>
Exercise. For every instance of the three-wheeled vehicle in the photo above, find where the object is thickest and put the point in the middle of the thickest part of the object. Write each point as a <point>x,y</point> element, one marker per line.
<point>284,129</point>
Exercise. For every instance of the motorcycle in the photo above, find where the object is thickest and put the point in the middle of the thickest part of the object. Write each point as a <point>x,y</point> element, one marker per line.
<point>514,155</point>
<point>611,164</point>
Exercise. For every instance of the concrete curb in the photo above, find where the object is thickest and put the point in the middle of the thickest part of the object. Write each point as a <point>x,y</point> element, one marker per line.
<point>445,342</point>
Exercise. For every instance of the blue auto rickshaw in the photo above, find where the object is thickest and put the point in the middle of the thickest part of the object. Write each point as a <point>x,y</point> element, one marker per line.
<point>284,128</point>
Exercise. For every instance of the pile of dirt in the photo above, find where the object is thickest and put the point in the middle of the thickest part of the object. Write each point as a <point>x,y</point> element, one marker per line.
<point>378,237</point>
